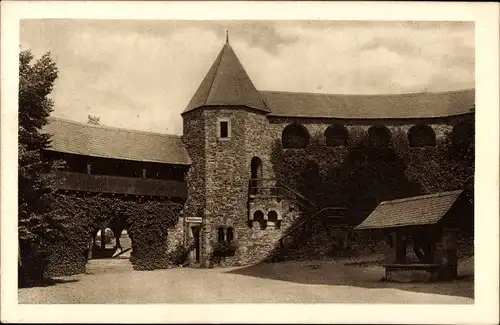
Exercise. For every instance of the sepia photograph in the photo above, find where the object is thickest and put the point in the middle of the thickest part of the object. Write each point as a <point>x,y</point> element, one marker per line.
<point>246,161</point>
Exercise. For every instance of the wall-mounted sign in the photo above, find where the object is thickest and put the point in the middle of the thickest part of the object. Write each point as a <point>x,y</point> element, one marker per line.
<point>193,219</point>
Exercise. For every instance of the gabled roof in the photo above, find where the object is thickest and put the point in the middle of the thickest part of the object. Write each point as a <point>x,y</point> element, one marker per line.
<point>227,83</point>
<point>412,211</point>
<point>394,106</point>
<point>108,142</point>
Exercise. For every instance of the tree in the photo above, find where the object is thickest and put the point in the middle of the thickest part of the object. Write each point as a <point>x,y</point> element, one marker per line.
<point>36,226</point>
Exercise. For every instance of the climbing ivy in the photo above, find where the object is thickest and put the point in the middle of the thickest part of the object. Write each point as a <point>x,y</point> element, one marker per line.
<point>359,176</point>
<point>148,222</point>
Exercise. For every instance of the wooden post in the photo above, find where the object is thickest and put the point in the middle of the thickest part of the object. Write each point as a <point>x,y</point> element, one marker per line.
<point>400,245</point>
<point>391,251</point>
<point>118,234</point>
<point>448,254</point>
<point>103,237</point>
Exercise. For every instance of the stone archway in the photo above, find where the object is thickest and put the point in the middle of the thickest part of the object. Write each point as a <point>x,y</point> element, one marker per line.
<point>379,136</point>
<point>336,135</point>
<point>421,135</point>
<point>295,136</point>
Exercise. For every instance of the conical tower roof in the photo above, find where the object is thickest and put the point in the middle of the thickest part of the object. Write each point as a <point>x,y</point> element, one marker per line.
<point>227,84</point>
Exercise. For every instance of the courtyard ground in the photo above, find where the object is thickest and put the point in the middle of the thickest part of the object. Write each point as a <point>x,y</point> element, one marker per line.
<point>114,281</point>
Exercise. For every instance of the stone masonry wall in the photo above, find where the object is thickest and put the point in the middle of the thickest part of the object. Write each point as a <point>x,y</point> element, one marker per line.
<point>228,174</point>
<point>218,179</point>
<point>193,138</point>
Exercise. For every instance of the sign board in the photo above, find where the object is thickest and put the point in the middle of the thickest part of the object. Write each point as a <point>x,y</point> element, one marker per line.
<point>193,219</point>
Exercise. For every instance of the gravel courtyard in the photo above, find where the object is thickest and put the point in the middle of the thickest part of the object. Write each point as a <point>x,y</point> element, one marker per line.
<point>114,281</point>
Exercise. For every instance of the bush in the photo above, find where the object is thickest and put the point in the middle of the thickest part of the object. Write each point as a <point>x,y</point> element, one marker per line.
<point>179,256</point>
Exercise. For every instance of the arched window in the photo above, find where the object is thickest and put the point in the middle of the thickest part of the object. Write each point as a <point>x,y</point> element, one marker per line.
<point>379,136</point>
<point>295,136</point>
<point>462,137</point>
<point>229,234</point>
<point>421,135</point>
<point>272,216</point>
<point>336,135</point>
<point>220,235</point>
<point>258,216</point>
<point>255,174</point>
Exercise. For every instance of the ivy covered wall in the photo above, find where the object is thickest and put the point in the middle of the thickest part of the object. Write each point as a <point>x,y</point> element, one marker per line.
<point>148,222</point>
<point>359,176</point>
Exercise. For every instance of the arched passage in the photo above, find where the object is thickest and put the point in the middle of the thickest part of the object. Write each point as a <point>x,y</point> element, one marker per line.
<point>421,135</point>
<point>256,174</point>
<point>115,242</point>
<point>336,135</point>
<point>295,136</point>
<point>379,136</point>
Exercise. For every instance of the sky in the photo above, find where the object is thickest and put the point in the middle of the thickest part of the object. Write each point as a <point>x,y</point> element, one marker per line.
<point>141,74</point>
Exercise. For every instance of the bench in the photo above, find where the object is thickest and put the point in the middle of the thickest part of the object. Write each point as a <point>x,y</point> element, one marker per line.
<point>395,271</point>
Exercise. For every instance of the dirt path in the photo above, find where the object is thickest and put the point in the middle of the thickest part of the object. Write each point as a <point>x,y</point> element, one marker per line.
<point>114,281</point>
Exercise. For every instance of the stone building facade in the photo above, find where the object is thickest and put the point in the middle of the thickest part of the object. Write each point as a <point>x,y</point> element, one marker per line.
<point>229,131</point>
<point>234,206</point>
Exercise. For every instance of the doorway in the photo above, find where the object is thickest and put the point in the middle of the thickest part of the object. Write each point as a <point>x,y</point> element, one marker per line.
<point>195,231</point>
<point>255,175</point>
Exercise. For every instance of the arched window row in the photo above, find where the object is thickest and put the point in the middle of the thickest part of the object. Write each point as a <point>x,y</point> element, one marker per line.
<point>272,219</point>
<point>296,136</point>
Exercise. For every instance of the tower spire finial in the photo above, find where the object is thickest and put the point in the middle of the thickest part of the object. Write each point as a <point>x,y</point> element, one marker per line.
<point>227,36</point>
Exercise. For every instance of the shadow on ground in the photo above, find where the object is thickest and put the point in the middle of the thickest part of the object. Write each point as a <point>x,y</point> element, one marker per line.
<point>47,282</point>
<point>336,273</point>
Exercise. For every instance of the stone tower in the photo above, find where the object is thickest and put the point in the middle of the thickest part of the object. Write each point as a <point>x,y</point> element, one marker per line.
<point>223,127</point>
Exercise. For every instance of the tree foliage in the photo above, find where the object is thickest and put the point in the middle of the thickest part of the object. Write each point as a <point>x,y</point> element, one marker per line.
<point>35,177</point>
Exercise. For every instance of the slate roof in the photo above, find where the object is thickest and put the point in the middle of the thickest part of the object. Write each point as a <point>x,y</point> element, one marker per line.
<point>226,83</point>
<point>412,211</point>
<point>394,106</point>
<point>108,142</point>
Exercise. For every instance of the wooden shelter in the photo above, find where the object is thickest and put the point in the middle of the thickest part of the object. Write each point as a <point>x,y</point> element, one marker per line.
<point>430,224</point>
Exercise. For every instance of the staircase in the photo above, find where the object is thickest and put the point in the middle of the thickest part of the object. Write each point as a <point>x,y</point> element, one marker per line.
<point>330,218</point>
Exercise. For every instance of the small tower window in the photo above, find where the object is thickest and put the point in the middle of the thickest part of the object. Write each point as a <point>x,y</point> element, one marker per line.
<point>223,129</point>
